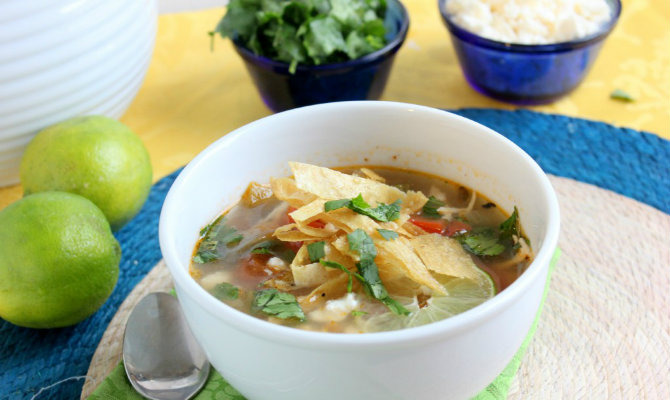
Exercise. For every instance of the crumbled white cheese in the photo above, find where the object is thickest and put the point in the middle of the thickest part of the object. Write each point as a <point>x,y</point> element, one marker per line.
<point>209,281</point>
<point>530,21</point>
<point>277,263</point>
<point>336,310</point>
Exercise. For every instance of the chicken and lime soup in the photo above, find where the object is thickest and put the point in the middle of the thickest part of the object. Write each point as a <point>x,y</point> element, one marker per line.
<point>359,249</point>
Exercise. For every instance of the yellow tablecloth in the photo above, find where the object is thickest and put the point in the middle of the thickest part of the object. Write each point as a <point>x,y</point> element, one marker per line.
<point>192,96</point>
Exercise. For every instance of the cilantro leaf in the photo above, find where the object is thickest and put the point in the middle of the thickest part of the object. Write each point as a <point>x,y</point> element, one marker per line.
<point>487,241</point>
<point>276,248</point>
<point>323,39</point>
<point>240,19</point>
<point>333,264</point>
<point>362,243</point>
<point>204,256</point>
<point>383,212</point>
<point>618,94</point>
<point>316,251</point>
<point>357,313</point>
<point>388,234</point>
<point>394,306</point>
<point>289,48</point>
<point>510,227</point>
<point>277,304</point>
<point>309,32</point>
<point>335,204</point>
<point>225,291</point>
<point>213,237</point>
<point>481,242</point>
<point>431,206</point>
<point>260,250</point>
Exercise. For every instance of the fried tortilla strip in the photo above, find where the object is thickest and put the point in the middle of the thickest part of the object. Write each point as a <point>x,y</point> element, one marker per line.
<point>285,189</point>
<point>301,257</point>
<point>349,221</point>
<point>400,251</point>
<point>333,185</point>
<point>290,233</point>
<point>414,201</point>
<point>390,270</point>
<point>397,253</point>
<point>372,175</point>
<point>445,255</point>
<point>256,194</point>
<point>315,233</point>
<point>333,288</point>
<point>413,229</point>
<point>402,287</point>
<point>309,212</point>
<point>391,273</point>
<point>309,275</point>
<point>346,259</point>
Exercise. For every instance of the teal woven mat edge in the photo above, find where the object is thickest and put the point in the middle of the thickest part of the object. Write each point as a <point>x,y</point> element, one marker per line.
<point>635,164</point>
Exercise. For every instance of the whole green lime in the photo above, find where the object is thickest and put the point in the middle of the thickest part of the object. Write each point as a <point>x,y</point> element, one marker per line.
<point>59,261</point>
<point>94,156</point>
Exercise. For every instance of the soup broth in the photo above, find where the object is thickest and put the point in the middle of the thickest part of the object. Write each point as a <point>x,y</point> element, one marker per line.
<point>297,254</point>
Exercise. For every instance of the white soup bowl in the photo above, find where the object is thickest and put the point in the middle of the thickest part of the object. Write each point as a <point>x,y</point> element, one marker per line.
<point>450,359</point>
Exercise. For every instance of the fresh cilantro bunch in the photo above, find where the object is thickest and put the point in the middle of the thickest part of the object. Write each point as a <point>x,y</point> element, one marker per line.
<point>310,32</point>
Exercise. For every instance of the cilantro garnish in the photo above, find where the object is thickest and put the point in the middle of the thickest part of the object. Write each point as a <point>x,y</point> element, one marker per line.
<point>510,228</point>
<point>277,304</point>
<point>333,264</point>
<point>213,236</point>
<point>306,32</point>
<point>383,212</point>
<point>260,250</point>
<point>276,248</point>
<point>388,234</point>
<point>357,313</point>
<point>225,291</point>
<point>482,242</point>
<point>316,251</point>
<point>431,206</point>
<point>362,243</point>
<point>394,306</point>
<point>618,94</point>
<point>492,242</point>
<point>335,204</point>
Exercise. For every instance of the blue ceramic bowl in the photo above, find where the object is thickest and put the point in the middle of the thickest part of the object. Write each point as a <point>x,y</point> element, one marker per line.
<point>361,79</point>
<point>525,74</point>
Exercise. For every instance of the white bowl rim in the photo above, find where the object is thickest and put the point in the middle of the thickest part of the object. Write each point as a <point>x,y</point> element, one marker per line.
<point>435,331</point>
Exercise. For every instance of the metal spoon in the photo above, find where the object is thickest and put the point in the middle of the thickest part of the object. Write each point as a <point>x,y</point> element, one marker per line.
<point>162,359</point>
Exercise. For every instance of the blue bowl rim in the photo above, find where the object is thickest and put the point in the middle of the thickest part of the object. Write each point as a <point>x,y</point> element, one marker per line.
<point>391,47</point>
<point>530,48</point>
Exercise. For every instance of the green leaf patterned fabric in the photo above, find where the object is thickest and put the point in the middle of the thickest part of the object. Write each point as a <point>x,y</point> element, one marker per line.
<point>116,385</point>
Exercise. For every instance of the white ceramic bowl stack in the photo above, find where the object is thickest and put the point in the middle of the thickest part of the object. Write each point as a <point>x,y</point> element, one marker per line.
<point>60,59</point>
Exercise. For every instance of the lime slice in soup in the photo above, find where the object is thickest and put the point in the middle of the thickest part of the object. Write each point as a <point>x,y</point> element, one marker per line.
<point>463,294</point>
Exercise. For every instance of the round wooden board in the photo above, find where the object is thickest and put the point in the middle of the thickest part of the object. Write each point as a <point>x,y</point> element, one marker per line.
<point>605,328</point>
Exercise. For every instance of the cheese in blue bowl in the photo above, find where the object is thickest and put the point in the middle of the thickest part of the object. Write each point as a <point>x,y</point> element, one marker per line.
<point>528,52</point>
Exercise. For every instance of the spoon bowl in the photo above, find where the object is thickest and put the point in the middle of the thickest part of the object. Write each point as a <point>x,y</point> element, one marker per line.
<point>162,359</point>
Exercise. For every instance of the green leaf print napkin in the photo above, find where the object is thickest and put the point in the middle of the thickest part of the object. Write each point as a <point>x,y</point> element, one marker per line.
<point>116,385</point>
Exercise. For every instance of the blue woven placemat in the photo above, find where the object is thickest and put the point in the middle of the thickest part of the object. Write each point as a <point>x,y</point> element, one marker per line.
<point>635,164</point>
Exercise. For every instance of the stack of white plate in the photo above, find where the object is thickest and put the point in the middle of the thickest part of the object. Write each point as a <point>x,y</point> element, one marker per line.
<point>63,58</point>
